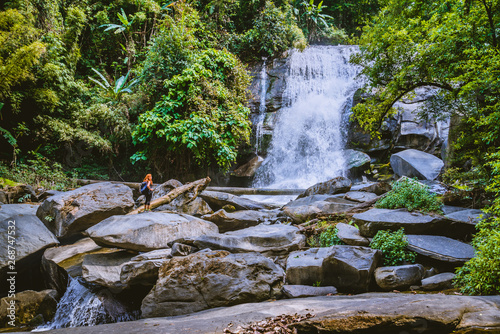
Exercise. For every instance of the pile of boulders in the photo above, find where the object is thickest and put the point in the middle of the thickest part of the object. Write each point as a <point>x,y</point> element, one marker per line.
<point>186,258</point>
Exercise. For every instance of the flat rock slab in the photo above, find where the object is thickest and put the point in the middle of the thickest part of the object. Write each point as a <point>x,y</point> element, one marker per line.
<point>360,196</point>
<point>440,248</point>
<point>306,208</point>
<point>365,313</point>
<point>301,291</point>
<point>438,282</point>
<point>217,200</point>
<point>231,221</point>
<point>148,231</point>
<point>415,163</point>
<point>336,185</point>
<point>472,216</point>
<point>273,239</point>
<point>71,212</point>
<point>373,220</point>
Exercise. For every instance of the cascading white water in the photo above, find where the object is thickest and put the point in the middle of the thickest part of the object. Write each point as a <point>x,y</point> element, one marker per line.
<point>81,307</point>
<point>262,107</point>
<point>308,141</point>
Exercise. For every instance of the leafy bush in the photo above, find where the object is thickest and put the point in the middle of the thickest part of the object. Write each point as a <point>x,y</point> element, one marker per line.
<point>393,246</point>
<point>326,238</point>
<point>481,274</point>
<point>39,173</point>
<point>411,194</point>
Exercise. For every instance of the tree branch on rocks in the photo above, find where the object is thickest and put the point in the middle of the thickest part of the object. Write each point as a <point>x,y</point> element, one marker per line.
<point>196,187</point>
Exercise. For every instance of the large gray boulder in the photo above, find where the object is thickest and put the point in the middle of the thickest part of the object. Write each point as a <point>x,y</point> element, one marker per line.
<point>373,220</point>
<point>231,221</point>
<point>399,277</point>
<point>350,235</point>
<point>217,200</point>
<point>211,279</point>
<point>105,269</point>
<point>276,239</point>
<point>148,231</point>
<point>414,163</point>
<point>360,196</point>
<point>23,238</point>
<point>143,269</point>
<point>306,208</point>
<point>336,185</point>
<point>440,248</point>
<point>29,308</point>
<point>348,268</point>
<point>72,212</point>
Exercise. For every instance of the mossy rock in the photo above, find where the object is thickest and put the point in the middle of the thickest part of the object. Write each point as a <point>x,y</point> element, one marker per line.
<point>4,183</point>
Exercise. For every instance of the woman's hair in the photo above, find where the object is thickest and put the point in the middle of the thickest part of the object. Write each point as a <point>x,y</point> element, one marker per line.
<point>148,178</point>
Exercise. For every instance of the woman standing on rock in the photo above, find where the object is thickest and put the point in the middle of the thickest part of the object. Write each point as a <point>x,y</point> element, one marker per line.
<point>147,191</point>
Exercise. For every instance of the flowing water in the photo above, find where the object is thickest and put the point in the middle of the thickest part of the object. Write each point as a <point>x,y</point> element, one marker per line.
<point>309,137</point>
<point>80,306</point>
<point>262,108</point>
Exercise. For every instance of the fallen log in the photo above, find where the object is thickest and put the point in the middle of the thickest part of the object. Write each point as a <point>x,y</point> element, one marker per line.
<point>196,187</point>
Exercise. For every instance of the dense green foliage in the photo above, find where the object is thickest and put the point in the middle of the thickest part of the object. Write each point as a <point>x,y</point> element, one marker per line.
<point>410,194</point>
<point>453,46</point>
<point>393,246</point>
<point>164,83</point>
<point>481,274</point>
<point>328,236</point>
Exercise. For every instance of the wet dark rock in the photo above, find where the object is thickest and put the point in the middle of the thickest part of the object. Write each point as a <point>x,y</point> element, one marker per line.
<point>71,212</point>
<point>472,216</point>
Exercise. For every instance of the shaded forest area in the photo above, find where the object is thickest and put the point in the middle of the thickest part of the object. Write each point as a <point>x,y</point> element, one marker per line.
<point>110,89</point>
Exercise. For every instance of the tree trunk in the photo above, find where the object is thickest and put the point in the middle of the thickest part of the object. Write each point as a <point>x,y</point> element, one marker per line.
<point>197,187</point>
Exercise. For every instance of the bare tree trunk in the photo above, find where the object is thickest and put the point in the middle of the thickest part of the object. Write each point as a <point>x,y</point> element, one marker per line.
<point>196,187</point>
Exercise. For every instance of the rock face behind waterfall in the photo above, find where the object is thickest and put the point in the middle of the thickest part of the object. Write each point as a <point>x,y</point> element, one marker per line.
<point>68,213</point>
<point>212,279</point>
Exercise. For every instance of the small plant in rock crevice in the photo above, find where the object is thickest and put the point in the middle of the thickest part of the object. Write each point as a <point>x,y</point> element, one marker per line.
<point>328,237</point>
<point>412,195</point>
<point>393,246</point>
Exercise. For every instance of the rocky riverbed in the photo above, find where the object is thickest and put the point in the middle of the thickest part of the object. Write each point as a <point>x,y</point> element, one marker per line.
<point>239,261</point>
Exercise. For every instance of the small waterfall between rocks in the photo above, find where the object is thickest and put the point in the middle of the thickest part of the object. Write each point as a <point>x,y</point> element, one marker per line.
<point>309,137</point>
<point>82,307</point>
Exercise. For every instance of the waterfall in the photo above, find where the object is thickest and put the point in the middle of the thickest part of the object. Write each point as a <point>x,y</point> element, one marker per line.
<point>82,307</point>
<point>262,107</point>
<point>309,137</point>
